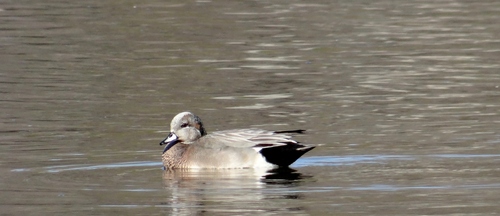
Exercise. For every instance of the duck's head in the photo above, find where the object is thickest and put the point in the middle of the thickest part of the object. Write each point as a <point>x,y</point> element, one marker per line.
<point>184,128</point>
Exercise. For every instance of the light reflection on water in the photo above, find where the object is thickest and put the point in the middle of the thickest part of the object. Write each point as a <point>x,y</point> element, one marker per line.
<point>349,160</point>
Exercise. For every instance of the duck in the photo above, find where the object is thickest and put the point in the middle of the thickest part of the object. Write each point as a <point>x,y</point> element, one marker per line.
<point>189,146</point>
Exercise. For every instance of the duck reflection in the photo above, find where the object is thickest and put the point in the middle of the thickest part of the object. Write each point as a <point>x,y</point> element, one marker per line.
<point>193,192</point>
<point>283,176</point>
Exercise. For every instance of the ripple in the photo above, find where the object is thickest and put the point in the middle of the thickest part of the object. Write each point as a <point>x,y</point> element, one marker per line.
<point>74,167</point>
<point>382,187</point>
<point>465,155</point>
<point>269,96</point>
<point>255,106</point>
<point>257,97</point>
<point>358,159</point>
<point>270,67</point>
<point>275,59</point>
<point>347,160</point>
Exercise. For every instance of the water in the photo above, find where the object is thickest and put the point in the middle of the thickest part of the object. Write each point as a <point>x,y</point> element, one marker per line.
<point>403,98</point>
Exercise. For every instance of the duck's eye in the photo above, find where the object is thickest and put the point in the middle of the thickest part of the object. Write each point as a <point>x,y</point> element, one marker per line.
<point>183,125</point>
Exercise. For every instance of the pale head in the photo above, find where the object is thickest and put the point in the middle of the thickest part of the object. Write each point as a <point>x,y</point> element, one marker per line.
<point>187,126</point>
<point>184,128</point>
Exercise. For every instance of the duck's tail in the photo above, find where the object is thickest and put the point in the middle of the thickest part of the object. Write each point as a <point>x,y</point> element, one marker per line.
<point>285,155</point>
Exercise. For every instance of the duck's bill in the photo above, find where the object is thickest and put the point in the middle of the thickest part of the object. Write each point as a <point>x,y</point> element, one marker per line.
<point>170,141</point>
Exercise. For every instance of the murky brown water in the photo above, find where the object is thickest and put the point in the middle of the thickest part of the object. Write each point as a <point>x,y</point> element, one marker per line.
<point>403,96</point>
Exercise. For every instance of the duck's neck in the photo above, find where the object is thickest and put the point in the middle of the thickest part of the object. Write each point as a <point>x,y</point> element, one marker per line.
<point>174,156</point>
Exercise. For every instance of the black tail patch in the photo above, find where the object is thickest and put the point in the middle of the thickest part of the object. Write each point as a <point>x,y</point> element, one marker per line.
<point>299,131</point>
<point>285,155</point>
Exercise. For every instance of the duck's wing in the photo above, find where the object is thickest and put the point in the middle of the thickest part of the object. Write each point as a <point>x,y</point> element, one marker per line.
<point>245,138</point>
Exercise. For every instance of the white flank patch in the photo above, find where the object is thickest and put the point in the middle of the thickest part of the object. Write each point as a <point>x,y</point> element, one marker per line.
<point>257,149</point>
<point>260,162</point>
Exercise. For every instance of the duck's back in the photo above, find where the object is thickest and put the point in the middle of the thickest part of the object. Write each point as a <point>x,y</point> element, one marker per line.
<point>247,148</point>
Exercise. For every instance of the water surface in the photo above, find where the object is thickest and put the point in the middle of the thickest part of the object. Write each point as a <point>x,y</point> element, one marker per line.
<point>403,98</point>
